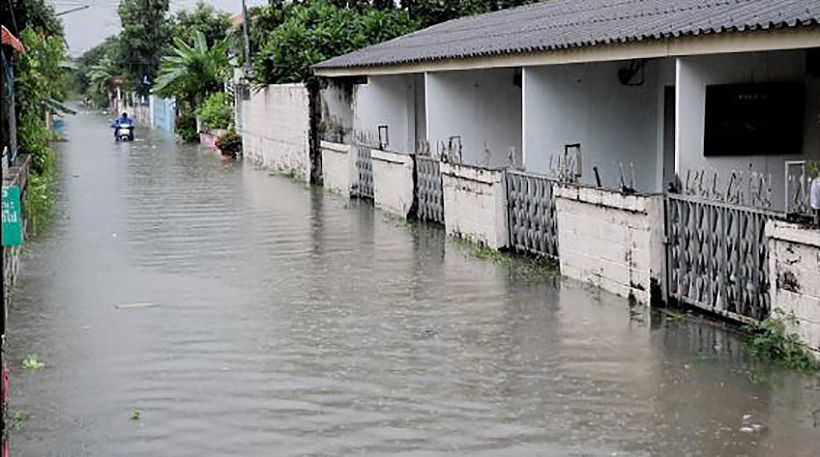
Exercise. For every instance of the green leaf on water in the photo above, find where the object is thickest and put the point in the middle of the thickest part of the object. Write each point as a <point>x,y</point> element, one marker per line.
<point>17,420</point>
<point>33,363</point>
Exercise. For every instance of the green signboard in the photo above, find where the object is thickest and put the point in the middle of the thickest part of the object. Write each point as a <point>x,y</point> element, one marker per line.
<point>12,217</point>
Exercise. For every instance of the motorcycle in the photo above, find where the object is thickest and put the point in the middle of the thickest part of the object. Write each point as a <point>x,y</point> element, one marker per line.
<point>124,132</point>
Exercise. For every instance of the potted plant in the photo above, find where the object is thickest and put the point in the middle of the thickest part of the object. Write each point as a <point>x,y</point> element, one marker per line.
<point>229,144</point>
<point>215,114</point>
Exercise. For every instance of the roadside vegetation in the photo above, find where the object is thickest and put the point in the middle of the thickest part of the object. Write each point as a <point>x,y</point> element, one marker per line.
<point>41,83</point>
<point>772,339</point>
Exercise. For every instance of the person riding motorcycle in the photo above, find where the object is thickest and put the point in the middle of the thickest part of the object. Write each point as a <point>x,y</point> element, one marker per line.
<point>123,119</point>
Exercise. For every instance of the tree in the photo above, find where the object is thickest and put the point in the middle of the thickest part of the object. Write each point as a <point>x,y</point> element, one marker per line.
<point>190,73</point>
<point>108,50</point>
<point>145,34</point>
<point>213,23</point>
<point>315,31</point>
<point>431,12</point>
<point>39,74</point>
<point>100,76</point>
<point>20,14</point>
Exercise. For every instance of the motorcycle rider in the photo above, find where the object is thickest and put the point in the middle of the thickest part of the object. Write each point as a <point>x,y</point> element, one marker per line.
<point>123,119</point>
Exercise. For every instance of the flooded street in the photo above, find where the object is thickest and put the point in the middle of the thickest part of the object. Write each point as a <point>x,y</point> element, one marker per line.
<point>245,314</point>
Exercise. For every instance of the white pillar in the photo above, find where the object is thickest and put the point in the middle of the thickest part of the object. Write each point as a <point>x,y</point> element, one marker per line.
<point>678,84</point>
<point>524,118</point>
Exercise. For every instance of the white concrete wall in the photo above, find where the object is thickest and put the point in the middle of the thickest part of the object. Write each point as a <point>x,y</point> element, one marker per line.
<point>614,123</point>
<point>611,240</point>
<point>337,167</point>
<point>392,181</point>
<point>391,101</point>
<point>694,73</point>
<point>337,111</point>
<point>475,204</point>
<point>481,106</point>
<point>276,129</point>
<point>794,271</point>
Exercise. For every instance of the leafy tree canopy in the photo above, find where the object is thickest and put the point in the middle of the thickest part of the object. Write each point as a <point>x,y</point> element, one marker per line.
<point>204,17</point>
<point>316,30</point>
<point>286,38</point>
<point>108,51</point>
<point>146,30</point>
<point>17,15</point>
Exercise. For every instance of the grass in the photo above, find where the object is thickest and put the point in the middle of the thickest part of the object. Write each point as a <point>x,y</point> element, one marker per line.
<point>38,201</point>
<point>400,221</point>
<point>526,268</point>
<point>770,339</point>
<point>33,363</point>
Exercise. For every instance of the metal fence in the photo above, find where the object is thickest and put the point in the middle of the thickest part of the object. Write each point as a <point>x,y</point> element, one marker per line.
<point>531,213</point>
<point>717,257</point>
<point>429,189</point>
<point>798,179</point>
<point>363,187</point>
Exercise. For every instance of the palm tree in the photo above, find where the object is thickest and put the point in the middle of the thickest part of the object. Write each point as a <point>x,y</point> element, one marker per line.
<point>192,72</point>
<point>100,75</point>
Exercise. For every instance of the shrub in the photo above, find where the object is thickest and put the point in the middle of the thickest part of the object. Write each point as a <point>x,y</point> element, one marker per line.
<point>215,111</point>
<point>770,339</point>
<point>186,128</point>
<point>229,143</point>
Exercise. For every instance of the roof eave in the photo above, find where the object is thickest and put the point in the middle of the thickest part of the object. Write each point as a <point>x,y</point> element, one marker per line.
<point>770,39</point>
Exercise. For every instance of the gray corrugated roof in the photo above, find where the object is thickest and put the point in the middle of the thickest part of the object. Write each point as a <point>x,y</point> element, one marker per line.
<point>557,24</point>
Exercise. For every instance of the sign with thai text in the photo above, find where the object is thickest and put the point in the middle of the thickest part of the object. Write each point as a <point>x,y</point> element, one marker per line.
<point>12,216</point>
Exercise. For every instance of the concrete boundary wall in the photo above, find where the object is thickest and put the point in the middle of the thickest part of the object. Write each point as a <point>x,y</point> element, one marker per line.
<point>276,129</point>
<point>475,204</point>
<point>794,270</point>
<point>393,184</point>
<point>612,240</point>
<point>337,167</point>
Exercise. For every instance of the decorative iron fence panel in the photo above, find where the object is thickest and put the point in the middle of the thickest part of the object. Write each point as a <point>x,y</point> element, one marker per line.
<point>717,257</point>
<point>363,187</point>
<point>798,180</point>
<point>429,189</point>
<point>531,213</point>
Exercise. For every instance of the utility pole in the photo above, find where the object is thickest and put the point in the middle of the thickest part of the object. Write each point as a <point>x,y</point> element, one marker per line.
<point>247,67</point>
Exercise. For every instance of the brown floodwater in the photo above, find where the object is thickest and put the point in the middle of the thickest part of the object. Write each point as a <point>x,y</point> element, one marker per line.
<point>246,314</point>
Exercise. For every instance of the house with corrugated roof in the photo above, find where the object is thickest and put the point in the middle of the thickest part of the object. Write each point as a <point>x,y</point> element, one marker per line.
<point>659,149</point>
<point>630,92</point>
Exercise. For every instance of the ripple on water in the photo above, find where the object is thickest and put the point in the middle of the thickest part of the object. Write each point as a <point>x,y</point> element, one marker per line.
<point>289,322</point>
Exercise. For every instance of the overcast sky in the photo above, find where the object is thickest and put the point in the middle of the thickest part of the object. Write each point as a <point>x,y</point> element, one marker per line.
<point>88,27</point>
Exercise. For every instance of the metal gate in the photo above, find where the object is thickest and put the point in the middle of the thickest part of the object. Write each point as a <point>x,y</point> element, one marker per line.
<point>531,213</point>
<point>429,193</point>
<point>363,187</point>
<point>717,257</point>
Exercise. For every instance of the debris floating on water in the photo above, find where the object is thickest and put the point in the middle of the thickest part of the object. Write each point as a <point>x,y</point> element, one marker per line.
<point>135,305</point>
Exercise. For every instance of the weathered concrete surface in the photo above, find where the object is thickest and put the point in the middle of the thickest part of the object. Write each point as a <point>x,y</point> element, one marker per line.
<point>475,204</point>
<point>276,129</point>
<point>16,175</point>
<point>794,271</point>
<point>611,240</point>
<point>337,167</point>
<point>392,181</point>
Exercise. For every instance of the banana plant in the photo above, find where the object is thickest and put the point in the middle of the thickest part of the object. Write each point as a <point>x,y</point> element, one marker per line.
<point>190,73</point>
